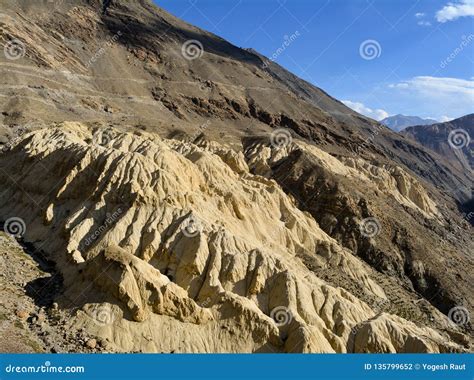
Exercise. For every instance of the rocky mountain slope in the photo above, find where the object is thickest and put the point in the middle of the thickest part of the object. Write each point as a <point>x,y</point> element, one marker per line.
<point>139,62</point>
<point>451,140</point>
<point>399,122</point>
<point>196,197</point>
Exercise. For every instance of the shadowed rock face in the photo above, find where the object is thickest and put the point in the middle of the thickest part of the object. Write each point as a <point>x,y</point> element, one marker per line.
<point>274,220</point>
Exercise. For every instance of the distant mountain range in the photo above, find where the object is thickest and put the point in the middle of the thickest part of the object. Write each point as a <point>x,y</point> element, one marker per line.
<point>400,122</point>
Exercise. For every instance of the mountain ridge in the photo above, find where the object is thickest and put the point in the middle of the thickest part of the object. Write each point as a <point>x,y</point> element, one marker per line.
<point>451,140</point>
<point>400,122</point>
<point>356,215</point>
<point>201,93</point>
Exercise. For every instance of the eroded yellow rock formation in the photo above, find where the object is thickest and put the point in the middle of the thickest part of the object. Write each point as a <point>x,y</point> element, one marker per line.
<point>188,251</point>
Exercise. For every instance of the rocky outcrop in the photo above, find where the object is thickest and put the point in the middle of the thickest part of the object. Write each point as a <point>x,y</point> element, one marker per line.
<point>377,211</point>
<point>172,246</point>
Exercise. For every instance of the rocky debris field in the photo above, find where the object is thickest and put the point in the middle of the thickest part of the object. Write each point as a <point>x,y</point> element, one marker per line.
<point>29,320</point>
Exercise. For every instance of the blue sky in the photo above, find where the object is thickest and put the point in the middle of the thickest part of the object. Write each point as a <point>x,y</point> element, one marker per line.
<point>382,57</point>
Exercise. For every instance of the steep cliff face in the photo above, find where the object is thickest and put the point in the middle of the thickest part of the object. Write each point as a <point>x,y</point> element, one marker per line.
<point>196,197</point>
<point>165,236</point>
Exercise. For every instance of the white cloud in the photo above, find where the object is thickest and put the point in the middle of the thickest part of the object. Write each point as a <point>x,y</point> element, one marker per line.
<point>435,95</point>
<point>424,23</point>
<point>419,15</point>
<point>399,85</point>
<point>377,114</point>
<point>438,86</point>
<point>453,11</point>
<point>444,119</point>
